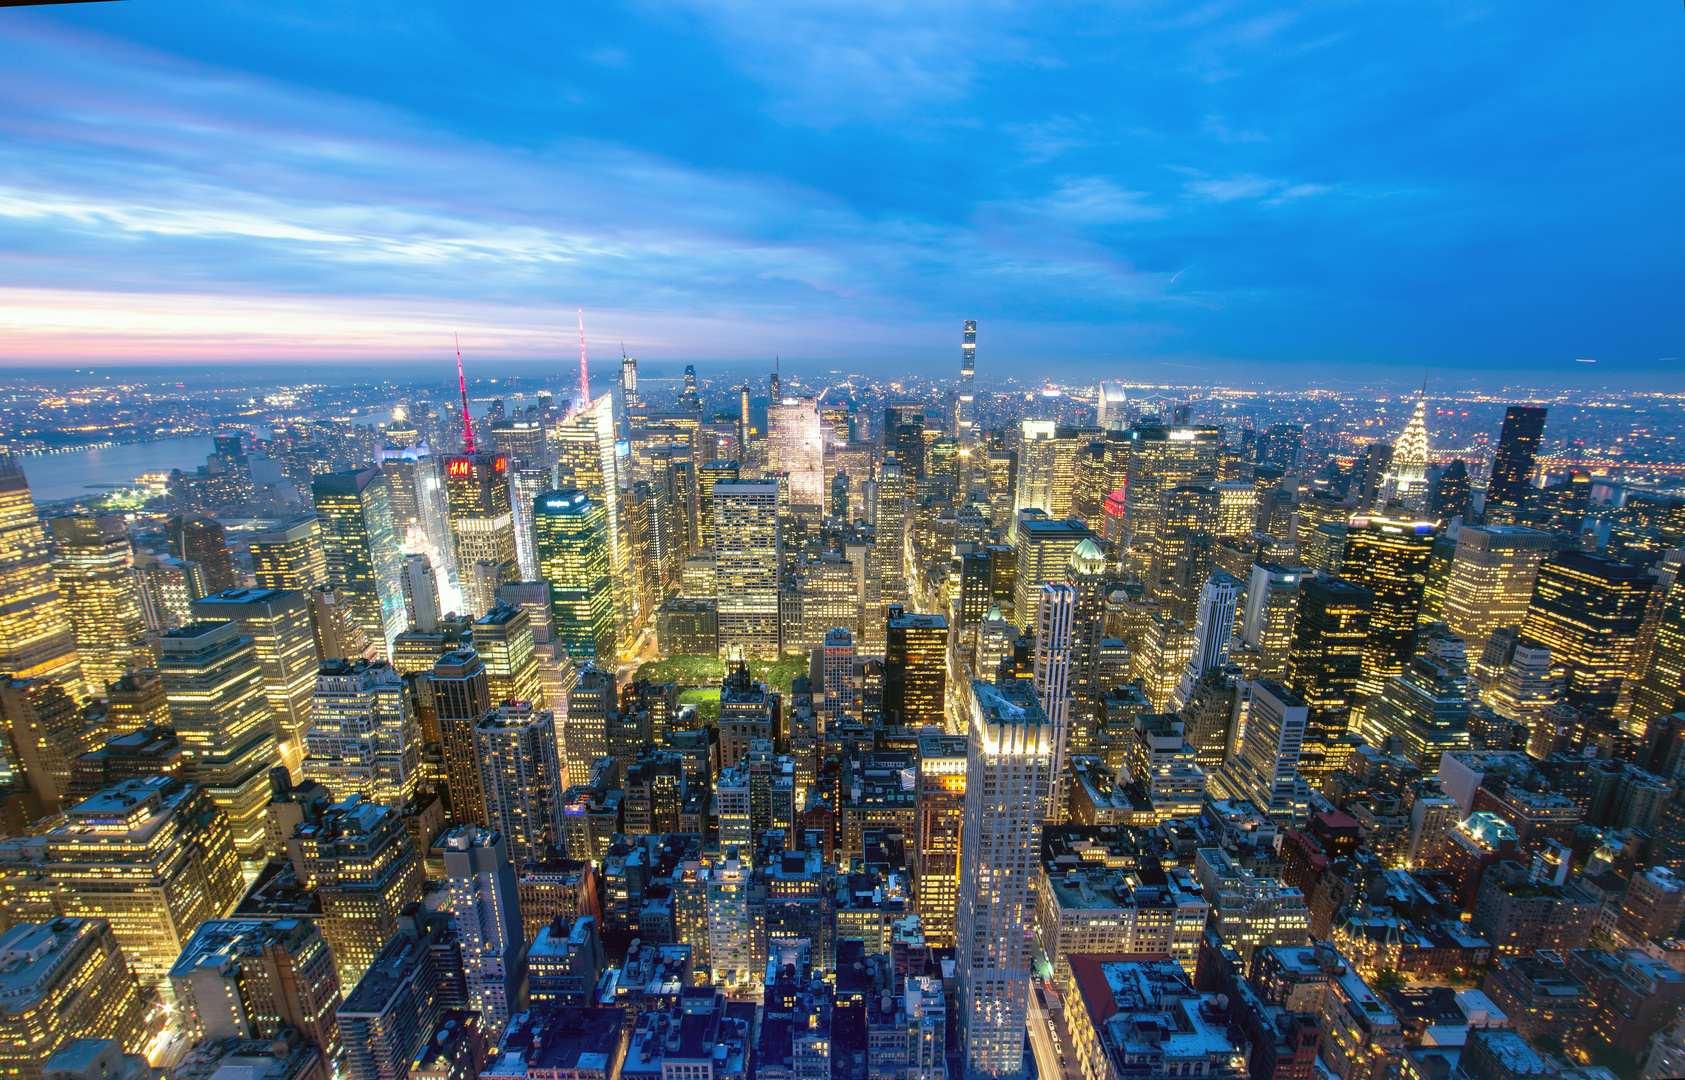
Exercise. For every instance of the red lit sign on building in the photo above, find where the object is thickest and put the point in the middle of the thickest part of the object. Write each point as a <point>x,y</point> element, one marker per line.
<point>461,467</point>
<point>500,464</point>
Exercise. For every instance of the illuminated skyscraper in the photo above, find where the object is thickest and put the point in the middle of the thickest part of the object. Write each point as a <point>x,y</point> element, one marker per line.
<point>1035,474</point>
<point>527,483</point>
<point>1272,601</point>
<point>482,525</point>
<point>573,556</point>
<point>965,405</point>
<point>1407,481</point>
<point>421,593</point>
<point>748,554</point>
<point>152,856</point>
<point>290,556</point>
<point>220,710</point>
<point>460,698</point>
<point>1424,712</point>
<point>365,740</point>
<point>1491,580</point>
<point>43,736</point>
<point>797,447</point>
<point>279,625</point>
<point>1325,664</point>
<point>941,803</point>
<point>709,474</point>
<point>68,980</point>
<point>1266,768</point>
<point>1518,445</point>
<point>915,668</point>
<point>1587,609</point>
<point>1390,559</point>
<point>1055,626</point>
<point>839,674</point>
<point>503,638</point>
<point>521,778</point>
<point>362,551</point>
<point>252,978</point>
<point>1657,693</point>
<point>36,639</point>
<point>1045,550</point>
<point>93,566</point>
<point>202,540</point>
<point>1162,458</point>
<point>1237,507</point>
<point>1213,627</point>
<point>1008,782</point>
<point>488,919</point>
<point>1182,544</point>
<point>364,870</point>
<point>421,514</point>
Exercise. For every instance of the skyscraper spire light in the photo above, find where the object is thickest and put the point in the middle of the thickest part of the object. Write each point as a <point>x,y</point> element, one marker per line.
<point>462,383</point>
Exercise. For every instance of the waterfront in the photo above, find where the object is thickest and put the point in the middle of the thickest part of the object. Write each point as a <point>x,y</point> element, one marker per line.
<point>73,473</point>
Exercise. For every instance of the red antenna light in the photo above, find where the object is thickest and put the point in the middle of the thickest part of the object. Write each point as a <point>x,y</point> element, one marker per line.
<point>584,381</point>
<point>467,425</point>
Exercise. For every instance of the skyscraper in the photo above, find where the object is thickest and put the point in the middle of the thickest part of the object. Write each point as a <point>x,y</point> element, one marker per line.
<point>1161,458</point>
<point>1518,445</point>
<point>1055,626</point>
<point>965,405</point>
<point>1272,602</point>
<point>251,978</point>
<point>460,697</point>
<point>1045,552</point>
<point>1390,559</point>
<point>1587,609</point>
<point>1424,711</point>
<point>573,556</point>
<point>941,806</point>
<point>290,556</point>
<point>1008,781</point>
<point>365,739</point>
<point>915,668</point>
<point>421,593</point>
<point>503,638</point>
<point>1325,663</point>
<point>482,523</point>
<point>592,702</point>
<point>421,514</point>
<point>748,554</point>
<point>1491,580</point>
<point>201,540</point>
<point>1266,769</point>
<point>1213,627</point>
<point>361,547</point>
<point>488,917</point>
<point>797,447</point>
<point>68,980</point>
<point>278,622</point>
<point>94,571</point>
<point>36,639</point>
<point>521,778</point>
<point>1407,481</point>
<point>838,652</point>
<point>220,710</point>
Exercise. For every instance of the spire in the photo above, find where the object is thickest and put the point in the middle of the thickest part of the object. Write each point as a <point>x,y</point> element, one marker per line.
<point>584,380</point>
<point>462,383</point>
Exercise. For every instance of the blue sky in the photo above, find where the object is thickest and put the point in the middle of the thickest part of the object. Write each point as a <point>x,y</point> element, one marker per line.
<point>1142,190</point>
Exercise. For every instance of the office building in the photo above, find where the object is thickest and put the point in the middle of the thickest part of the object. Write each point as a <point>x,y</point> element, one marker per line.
<point>220,710</point>
<point>1390,559</point>
<point>1055,615</point>
<point>421,593</point>
<point>202,541</point>
<point>290,556</point>
<point>393,1011</point>
<point>1272,604</point>
<point>592,704</point>
<point>1325,661</point>
<point>1424,712</point>
<point>36,639</point>
<point>484,898</point>
<point>748,554</point>
<point>359,860</point>
<point>942,767</point>
<point>461,695</point>
<point>278,622</point>
<point>796,447</point>
<point>253,978</point>
<point>1491,580</point>
<point>482,525</point>
<point>574,557</point>
<point>64,980</point>
<point>838,654</point>
<point>1587,609</point>
<point>361,546</point>
<point>153,857</point>
<point>45,734</point>
<point>1162,458</point>
<point>1511,484</point>
<point>365,739</point>
<point>1406,481</point>
<point>915,670</point>
<point>1045,550</point>
<point>1214,621</point>
<point>521,779</point>
<point>1266,768</point>
<point>93,566</point>
<point>135,701</point>
<point>1009,777</point>
<point>504,641</point>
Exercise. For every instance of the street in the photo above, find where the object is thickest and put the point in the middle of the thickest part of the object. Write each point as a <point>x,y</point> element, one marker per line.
<point>1044,1039</point>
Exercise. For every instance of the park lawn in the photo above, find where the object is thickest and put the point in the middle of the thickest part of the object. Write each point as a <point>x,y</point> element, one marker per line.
<point>707,671</point>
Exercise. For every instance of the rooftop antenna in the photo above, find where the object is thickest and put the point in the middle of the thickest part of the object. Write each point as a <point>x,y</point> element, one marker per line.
<point>462,383</point>
<point>584,380</point>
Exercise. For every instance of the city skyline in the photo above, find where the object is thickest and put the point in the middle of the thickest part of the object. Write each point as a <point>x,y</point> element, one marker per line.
<point>1185,215</point>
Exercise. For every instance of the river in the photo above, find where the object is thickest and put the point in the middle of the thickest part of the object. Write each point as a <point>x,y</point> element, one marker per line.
<point>74,473</point>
